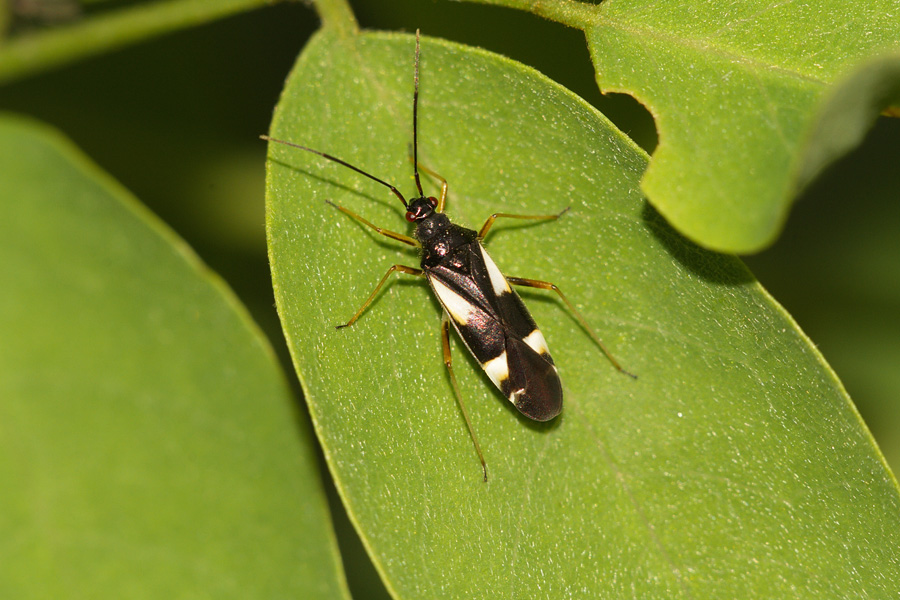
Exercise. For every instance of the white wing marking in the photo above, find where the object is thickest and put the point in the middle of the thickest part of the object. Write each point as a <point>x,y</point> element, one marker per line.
<point>536,342</point>
<point>498,281</point>
<point>457,306</point>
<point>497,369</point>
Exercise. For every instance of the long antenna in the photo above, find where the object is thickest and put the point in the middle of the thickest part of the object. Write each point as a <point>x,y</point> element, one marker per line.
<point>346,164</point>
<point>415,121</point>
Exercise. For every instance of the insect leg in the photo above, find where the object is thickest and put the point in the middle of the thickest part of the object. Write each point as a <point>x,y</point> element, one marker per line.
<point>490,221</point>
<point>443,198</point>
<point>544,285</point>
<point>387,233</point>
<point>402,269</point>
<point>448,361</point>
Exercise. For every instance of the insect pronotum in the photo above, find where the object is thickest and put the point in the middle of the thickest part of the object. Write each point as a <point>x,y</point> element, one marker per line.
<point>477,298</point>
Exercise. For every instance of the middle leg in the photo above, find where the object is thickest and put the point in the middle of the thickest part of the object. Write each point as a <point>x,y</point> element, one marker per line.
<point>490,221</point>
<point>545,285</point>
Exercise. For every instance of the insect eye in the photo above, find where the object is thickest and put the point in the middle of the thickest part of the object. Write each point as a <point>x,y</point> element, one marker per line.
<point>433,200</point>
<point>410,216</point>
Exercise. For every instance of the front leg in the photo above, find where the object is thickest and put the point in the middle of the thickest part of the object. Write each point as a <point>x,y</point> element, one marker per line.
<point>443,198</point>
<point>385,232</point>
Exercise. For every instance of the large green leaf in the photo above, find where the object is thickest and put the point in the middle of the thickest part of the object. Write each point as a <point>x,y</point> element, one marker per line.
<point>734,467</point>
<point>148,446</point>
<point>737,91</point>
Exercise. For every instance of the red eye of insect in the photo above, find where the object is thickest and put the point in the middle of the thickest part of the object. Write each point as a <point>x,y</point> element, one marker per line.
<point>410,216</point>
<point>433,200</point>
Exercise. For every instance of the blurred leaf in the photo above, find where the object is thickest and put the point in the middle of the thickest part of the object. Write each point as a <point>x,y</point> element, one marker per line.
<point>32,52</point>
<point>735,466</point>
<point>846,113</point>
<point>736,91</point>
<point>148,446</point>
<point>4,21</point>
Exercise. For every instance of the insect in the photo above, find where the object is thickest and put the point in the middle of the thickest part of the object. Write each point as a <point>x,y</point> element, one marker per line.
<point>477,298</point>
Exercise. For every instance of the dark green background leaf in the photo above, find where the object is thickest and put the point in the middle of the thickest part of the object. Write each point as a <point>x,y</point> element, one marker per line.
<point>734,467</point>
<point>148,446</point>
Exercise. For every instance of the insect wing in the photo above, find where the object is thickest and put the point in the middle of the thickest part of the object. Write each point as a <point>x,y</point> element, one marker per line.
<point>496,327</point>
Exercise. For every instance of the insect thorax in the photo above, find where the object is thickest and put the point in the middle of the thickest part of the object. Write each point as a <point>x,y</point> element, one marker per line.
<point>442,241</point>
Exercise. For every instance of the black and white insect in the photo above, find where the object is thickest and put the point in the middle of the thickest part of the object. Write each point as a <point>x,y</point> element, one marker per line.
<point>477,298</point>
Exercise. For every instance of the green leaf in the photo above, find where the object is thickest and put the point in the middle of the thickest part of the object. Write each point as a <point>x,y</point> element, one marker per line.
<point>148,445</point>
<point>734,467</point>
<point>737,91</point>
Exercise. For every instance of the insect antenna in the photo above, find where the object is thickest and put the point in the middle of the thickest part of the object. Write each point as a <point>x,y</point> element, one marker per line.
<point>415,120</point>
<point>346,164</point>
